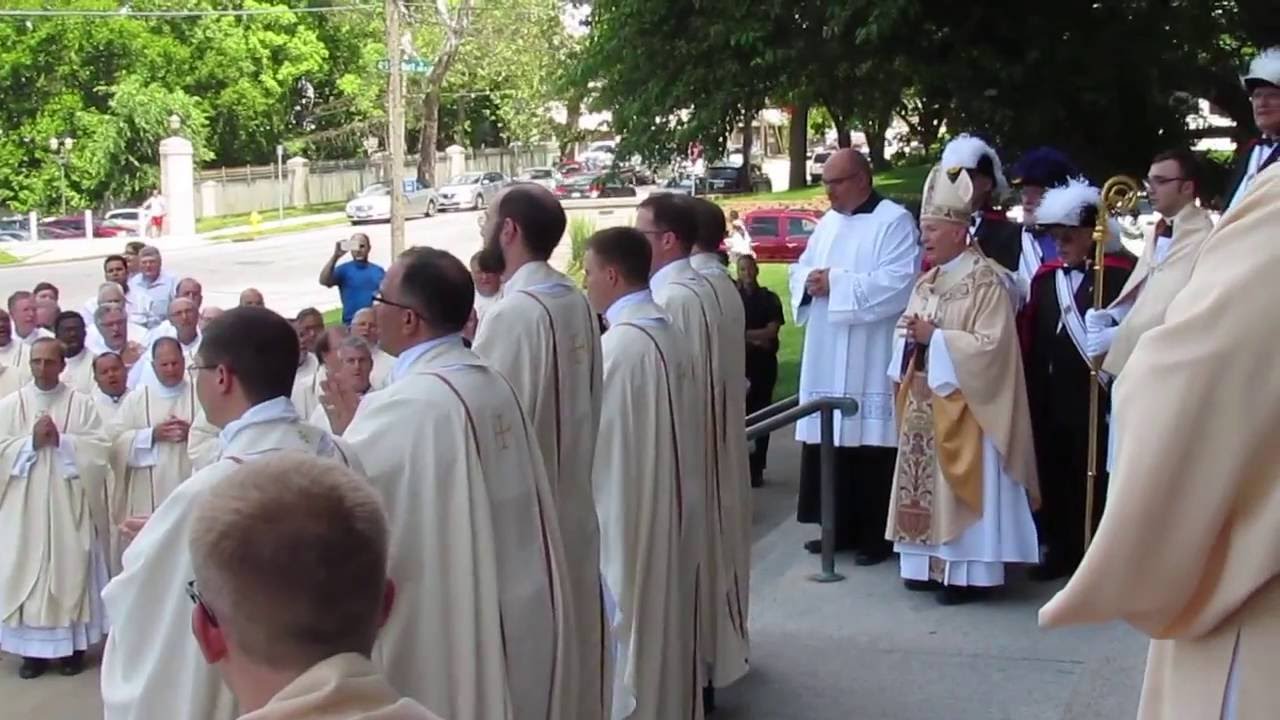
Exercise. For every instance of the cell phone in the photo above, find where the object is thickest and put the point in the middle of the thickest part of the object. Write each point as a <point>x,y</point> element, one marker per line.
<point>346,245</point>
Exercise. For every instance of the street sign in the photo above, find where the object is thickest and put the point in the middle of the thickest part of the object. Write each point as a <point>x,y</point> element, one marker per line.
<point>419,66</point>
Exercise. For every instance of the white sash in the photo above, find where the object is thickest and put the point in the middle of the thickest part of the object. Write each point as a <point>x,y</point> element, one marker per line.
<point>1070,314</point>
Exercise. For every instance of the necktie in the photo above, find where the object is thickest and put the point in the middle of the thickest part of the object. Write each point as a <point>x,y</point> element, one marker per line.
<point>1164,228</point>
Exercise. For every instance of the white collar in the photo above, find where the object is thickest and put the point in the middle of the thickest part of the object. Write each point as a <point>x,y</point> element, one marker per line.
<point>47,393</point>
<point>669,272</point>
<point>97,391</point>
<point>534,275</point>
<point>165,391</point>
<point>631,298</point>
<point>410,355</point>
<point>952,264</point>
<point>273,410</point>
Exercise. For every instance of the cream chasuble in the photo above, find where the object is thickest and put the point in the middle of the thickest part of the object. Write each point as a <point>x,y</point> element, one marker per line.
<point>343,687</point>
<point>484,627</point>
<point>78,374</point>
<point>1187,550</point>
<point>873,257</point>
<point>383,361</point>
<point>51,554</point>
<point>15,367</point>
<point>544,337</point>
<point>639,488</point>
<point>151,666</point>
<point>965,479</point>
<point>690,303</point>
<point>146,470</point>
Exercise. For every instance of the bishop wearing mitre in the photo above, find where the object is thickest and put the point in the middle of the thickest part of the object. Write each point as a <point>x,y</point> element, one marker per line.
<point>640,478</point>
<point>15,358</point>
<point>52,560</point>
<point>1187,550</point>
<point>965,480</point>
<point>149,437</point>
<point>484,627</point>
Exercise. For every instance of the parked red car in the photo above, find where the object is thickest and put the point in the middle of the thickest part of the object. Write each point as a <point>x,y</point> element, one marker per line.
<point>73,226</point>
<point>780,235</point>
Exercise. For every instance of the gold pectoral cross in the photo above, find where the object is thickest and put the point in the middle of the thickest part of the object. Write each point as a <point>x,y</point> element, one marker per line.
<point>500,432</point>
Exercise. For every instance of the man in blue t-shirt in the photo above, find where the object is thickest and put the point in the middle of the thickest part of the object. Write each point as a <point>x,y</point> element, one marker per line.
<point>357,280</point>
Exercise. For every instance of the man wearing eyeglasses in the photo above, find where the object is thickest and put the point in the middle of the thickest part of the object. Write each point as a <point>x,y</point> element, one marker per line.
<point>1263,85</point>
<point>243,377</point>
<point>53,452</point>
<point>476,547</point>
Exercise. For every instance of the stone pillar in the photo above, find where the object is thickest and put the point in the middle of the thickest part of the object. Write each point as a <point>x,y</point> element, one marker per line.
<point>177,184</point>
<point>209,198</point>
<point>299,192</point>
<point>457,160</point>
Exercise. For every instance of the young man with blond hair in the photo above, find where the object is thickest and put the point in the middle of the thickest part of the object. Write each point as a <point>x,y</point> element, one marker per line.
<point>289,555</point>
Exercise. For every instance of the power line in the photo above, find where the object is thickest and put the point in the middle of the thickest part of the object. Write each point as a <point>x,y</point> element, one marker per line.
<point>125,12</point>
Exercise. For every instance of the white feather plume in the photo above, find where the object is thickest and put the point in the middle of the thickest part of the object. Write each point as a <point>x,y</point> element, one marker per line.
<point>1062,205</point>
<point>965,151</point>
<point>1265,66</point>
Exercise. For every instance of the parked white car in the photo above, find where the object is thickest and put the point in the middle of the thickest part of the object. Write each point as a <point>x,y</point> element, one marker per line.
<point>127,218</point>
<point>600,153</point>
<point>816,162</point>
<point>373,204</point>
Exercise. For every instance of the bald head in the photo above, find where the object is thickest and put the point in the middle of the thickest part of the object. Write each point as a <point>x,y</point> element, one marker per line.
<point>208,314</point>
<point>251,298</point>
<point>847,178</point>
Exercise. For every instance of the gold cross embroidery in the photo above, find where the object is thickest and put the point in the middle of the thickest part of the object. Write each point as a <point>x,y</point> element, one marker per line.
<point>500,432</point>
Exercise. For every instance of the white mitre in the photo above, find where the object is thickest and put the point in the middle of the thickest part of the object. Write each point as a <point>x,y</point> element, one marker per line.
<point>948,195</point>
<point>967,151</point>
<point>1076,205</point>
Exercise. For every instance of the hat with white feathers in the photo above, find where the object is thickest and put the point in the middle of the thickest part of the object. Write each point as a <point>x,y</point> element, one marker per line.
<point>973,153</point>
<point>1075,204</point>
<point>1264,70</point>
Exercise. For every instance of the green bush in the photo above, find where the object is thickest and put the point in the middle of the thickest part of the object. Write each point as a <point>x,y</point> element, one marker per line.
<point>580,230</point>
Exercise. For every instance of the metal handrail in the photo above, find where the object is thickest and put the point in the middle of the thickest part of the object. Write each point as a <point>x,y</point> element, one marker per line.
<point>786,412</point>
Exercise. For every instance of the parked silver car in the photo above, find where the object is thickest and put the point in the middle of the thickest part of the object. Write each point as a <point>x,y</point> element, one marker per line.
<point>472,190</point>
<point>373,204</point>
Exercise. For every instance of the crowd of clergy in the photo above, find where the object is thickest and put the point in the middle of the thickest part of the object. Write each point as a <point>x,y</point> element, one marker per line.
<point>565,474</point>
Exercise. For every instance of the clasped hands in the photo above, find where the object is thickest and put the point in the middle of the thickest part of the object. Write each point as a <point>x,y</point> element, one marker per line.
<point>1100,329</point>
<point>173,429</point>
<point>45,433</point>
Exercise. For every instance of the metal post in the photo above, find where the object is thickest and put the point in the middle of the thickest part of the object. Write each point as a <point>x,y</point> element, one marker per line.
<point>280,182</point>
<point>828,463</point>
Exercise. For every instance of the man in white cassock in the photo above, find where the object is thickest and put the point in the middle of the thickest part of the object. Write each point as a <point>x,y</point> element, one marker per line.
<point>544,337</point>
<point>848,290</point>
<point>69,330</point>
<point>306,386</point>
<point>15,359</point>
<point>22,309</point>
<point>484,630</point>
<point>183,325</point>
<point>670,223</point>
<point>353,365</point>
<point>109,385</point>
<point>639,482</point>
<point>113,336</point>
<point>52,568</point>
<point>364,325</point>
<point>243,376</point>
<point>149,439</point>
<point>965,480</point>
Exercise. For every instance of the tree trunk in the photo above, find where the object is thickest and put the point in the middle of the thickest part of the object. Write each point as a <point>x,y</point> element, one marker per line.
<point>427,141</point>
<point>876,130</point>
<point>844,138</point>
<point>799,140</point>
<point>573,115</point>
<point>748,140</point>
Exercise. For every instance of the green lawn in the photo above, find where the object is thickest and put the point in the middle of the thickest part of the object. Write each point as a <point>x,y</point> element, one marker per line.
<point>902,184</point>
<point>218,222</point>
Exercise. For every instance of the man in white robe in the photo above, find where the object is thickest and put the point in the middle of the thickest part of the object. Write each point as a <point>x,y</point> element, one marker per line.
<point>484,631</point>
<point>115,274</point>
<point>965,479</point>
<point>110,293</point>
<point>848,290</point>
<point>306,386</point>
<point>670,222</point>
<point>15,359</point>
<point>109,385</point>
<point>639,483</point>
<point>113,336</point>
<point>543,336</point>
<point>70,332</point>
<point>183,325</point>
<point>354,367</point>
<point>151,667</point>
<point>22,310</point>
<point>149,439</point>
<point>364,325</point>
<point>53,452</point>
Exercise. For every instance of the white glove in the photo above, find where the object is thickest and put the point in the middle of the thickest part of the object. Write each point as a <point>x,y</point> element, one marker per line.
<point>1098,342</point>
<point>1099,320</point>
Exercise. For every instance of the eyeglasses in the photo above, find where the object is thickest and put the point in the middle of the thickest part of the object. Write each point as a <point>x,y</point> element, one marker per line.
<point>192,370</point>
<point>194,595</point>
<point>382,300</point>
<point>837,180</point>
<point>1154,181</point>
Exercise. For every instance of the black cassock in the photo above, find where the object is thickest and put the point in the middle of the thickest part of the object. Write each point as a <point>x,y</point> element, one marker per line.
<point>1058,393</point>
<point>1000,239</point>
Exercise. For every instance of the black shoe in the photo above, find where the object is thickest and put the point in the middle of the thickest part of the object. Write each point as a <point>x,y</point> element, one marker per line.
<point>815,546</point>
<point>32,668</point>
<point>922,585</point>
<point>960,595</point>
<point>1047,573</point>
<point>708,700</point>
<point>74,665</point>
<point>867,558</point>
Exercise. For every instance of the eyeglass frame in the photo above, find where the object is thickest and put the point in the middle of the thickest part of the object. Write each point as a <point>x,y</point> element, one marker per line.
<point>1158,181</point>
<point>193,594</point>
<point>381,299</point>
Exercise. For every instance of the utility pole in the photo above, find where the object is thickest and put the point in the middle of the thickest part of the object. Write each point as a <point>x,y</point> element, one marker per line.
<point>395,127</point>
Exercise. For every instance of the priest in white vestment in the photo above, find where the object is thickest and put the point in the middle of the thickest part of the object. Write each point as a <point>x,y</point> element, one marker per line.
<point>965,480</point>
<point>639,482</point>
<point>149,439</point>
<point>22,310</point>
<point>848,290</point>
<point>15,359</point>
<point>354,367</point>
<point>183,325</point>
<point>543,336</point>
<point>110,293</point>
<point>670,222</point>
<point>484,630</point>
<point>151,666</point>
<point>306,385</point>
<point>109,385</point>
<point>70,332</point>
<point>113,336</point>
<point>364,325</point>
<point>52,566</point>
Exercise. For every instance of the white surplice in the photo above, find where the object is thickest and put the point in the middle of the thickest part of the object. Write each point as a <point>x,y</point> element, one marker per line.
<point>151,667</point>
<point>545,338</point>
<point>78,374</point>
<point>166,330</point>
<point>639,483</point>
<point>482,624</point>
<point>873,258</point>
<point>52,566</point>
